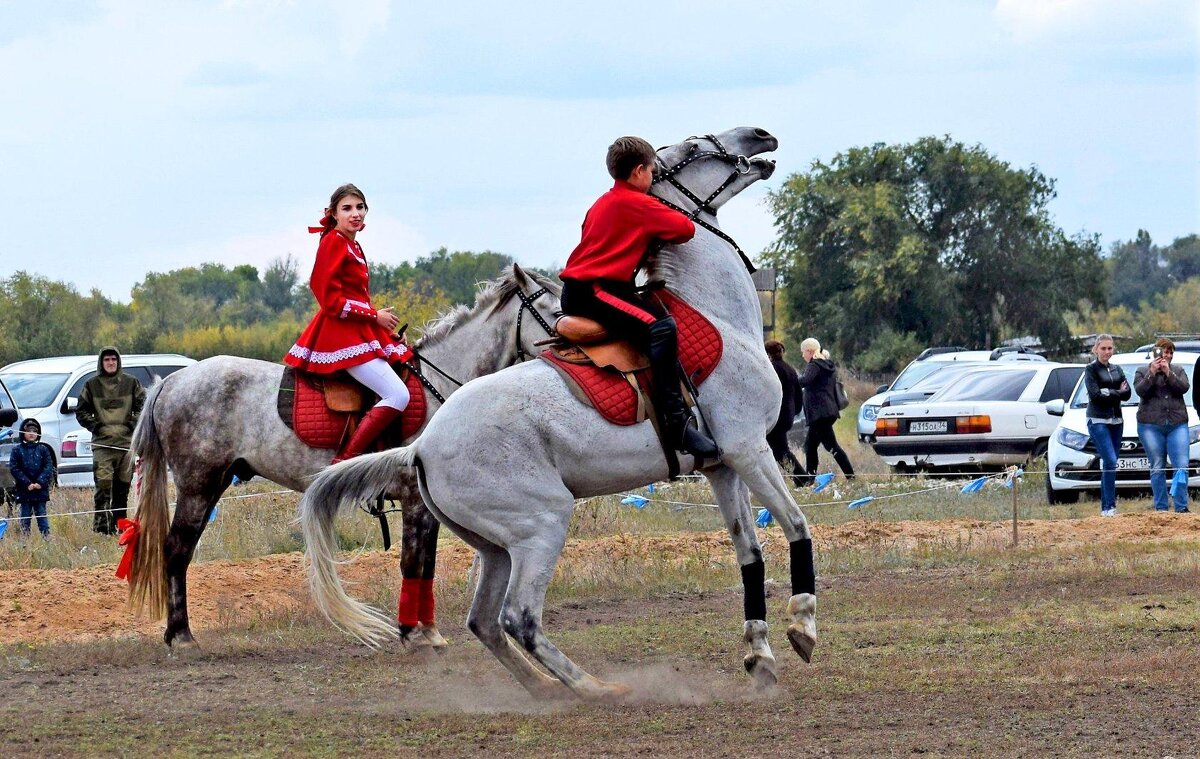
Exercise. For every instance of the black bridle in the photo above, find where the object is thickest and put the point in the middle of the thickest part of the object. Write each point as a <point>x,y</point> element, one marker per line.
<point>741,166</point>
<point>526,303</point>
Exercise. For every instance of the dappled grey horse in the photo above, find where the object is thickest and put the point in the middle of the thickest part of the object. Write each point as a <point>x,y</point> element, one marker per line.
<point>218,418</point>
<point>504,461</point>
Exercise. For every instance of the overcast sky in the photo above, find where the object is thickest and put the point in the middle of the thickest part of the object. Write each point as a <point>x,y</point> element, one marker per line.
<point>150,136</point>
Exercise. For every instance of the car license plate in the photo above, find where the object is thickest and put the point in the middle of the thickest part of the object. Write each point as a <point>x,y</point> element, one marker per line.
<point>1134,463</point>
<point>928,427</point>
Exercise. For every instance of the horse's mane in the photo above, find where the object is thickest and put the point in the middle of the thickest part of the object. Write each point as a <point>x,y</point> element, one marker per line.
<point>491,296</point>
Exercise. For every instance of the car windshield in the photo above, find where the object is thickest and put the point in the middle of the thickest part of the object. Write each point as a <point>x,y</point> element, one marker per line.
<point>914,373</point>
<point>34,390</point>
<point>985,386</point>
<point>1080,399</point>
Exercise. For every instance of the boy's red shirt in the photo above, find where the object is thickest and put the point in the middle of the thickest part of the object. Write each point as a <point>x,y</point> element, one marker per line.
<point>618,229</point>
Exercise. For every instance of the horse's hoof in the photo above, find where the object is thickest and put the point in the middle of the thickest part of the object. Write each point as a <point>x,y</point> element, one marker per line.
<point>184,648</point>
<point>802,632</point>
<point>761,670</point>
<point>433,637</point>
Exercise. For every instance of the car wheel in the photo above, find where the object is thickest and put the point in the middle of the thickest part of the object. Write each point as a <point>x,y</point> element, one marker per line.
<point>1039,449</point>
<point>1056,497</point>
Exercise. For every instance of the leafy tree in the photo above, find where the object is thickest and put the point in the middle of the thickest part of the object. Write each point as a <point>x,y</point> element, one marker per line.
<point>934,239</point>
<point>1183,258</point>
<point>457,274</point>
<point>1137,271</point>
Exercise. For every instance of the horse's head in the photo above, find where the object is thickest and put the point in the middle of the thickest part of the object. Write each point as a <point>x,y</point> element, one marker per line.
<point>705,172</point>
<point>534,302</point>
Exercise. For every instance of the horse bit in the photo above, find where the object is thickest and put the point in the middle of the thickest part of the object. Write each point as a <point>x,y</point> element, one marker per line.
<point>741,167</point>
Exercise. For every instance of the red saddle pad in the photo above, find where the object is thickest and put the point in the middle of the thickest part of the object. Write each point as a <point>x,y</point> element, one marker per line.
<point>608,391</point>
<point>318,427</point>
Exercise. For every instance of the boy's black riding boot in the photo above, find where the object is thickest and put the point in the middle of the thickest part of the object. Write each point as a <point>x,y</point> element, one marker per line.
<point>673,414</point>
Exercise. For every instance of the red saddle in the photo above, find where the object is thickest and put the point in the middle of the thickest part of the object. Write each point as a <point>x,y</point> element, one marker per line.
<point>324,411</point>
<point>612,392</point>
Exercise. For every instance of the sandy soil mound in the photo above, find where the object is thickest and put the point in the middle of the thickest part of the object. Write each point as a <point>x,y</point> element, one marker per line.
<point>83,604</point>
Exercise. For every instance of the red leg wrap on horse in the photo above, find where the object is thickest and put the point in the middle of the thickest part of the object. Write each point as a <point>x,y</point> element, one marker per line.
<point>427,602</point>
<point>410,602</point>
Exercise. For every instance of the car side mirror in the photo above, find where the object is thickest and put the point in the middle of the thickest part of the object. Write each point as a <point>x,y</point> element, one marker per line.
<point>881,389</point>
<point>1056,407</point>
<point>8,417</point>
<point>70,404</point>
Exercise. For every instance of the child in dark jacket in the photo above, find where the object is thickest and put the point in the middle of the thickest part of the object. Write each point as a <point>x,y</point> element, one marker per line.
<point>32,467</point>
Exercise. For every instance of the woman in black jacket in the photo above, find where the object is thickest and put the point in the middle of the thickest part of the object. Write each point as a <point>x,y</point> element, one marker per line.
<point>792,398</point>
<point>821,407</point>
<point>1107,388</point>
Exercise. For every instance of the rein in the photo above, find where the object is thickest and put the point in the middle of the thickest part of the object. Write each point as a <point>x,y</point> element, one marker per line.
<point>741,167</point>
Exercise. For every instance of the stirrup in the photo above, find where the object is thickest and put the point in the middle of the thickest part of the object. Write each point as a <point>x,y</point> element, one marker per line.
<point>696,443</point>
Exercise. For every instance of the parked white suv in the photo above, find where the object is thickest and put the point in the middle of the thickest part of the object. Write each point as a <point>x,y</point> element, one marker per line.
<point>922,369</point>
<point>1073,463</point>
<point>47,389</point>
<point>989,417</point>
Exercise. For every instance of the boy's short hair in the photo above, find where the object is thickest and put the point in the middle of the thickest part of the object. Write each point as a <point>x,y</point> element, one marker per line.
<point>626,154</point>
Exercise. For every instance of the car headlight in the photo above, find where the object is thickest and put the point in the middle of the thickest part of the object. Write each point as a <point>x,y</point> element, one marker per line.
<point>1193,435</point>
<point>1072,439</point>
<point>869,412</point>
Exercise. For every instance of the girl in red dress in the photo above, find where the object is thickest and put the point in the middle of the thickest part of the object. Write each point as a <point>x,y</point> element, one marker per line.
<point>348,333</point>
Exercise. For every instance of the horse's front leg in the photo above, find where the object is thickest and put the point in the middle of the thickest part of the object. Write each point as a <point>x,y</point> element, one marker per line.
<point>418,560</point>
<point>734,500</point>
<point>756,467</point>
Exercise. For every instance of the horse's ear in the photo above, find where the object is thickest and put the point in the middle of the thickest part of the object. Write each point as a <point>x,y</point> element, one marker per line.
<point>519,273</point>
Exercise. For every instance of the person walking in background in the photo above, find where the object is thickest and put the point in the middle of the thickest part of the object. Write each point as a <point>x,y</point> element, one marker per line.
<point>1107,388</point>
<point>821,407</point>
<point>109,406</point>
<point>347,332</point>
<point>32,467</point>
<point>793,397</point>
<point>1163,424</point>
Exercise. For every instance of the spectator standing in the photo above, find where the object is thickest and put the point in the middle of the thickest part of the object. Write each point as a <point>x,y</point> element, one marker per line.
<point>821,407</point>
<point>1162,423</point>
<point>32,467</point>
<point>1107,389</point>
<point>109,406</point>
<point>793,398</point>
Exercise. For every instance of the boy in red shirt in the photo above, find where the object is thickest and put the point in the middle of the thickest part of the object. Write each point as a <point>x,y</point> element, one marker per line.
<point>598,280</point>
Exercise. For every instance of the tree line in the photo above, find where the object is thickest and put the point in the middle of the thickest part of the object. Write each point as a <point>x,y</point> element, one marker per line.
<point>210,309</point>
<point>888,249</point>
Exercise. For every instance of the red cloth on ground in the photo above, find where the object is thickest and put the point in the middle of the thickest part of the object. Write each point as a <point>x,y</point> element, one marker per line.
<point>344,332</point>
<point>617,230</point>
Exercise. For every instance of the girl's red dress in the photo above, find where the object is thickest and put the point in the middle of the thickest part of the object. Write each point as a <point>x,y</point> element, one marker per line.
<point>344,332</point>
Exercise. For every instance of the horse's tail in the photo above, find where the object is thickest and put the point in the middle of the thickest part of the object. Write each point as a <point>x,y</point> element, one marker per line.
<point>148,575</point>
<point>358,479</point>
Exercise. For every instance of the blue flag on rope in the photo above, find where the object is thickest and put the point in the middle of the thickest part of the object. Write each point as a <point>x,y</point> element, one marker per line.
<point>635,500</point>
<point>1013,478</point>
<point>822,481</point>
<point>1180,480</point>
<point>212,517</point>
<point>650,488</point>
<point>974,486</point>
<point>764,518</point>
<point>861,502</point>
<point>3,528</point>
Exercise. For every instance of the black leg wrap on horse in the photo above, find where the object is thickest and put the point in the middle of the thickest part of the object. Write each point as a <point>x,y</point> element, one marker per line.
<point>804,570</point>
<point>754,600</point>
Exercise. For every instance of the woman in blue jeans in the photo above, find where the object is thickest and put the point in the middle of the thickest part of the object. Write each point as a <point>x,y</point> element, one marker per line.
<point>1163,424</point>
<point>1107,388</point>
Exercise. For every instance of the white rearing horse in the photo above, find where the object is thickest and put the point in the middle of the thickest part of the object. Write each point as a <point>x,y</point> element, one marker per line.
<point>504,461</point>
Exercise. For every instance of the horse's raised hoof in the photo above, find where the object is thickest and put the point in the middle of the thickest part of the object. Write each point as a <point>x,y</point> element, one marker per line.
<point>605,693</point>
<point>760,662</point>
<point>802,632</point>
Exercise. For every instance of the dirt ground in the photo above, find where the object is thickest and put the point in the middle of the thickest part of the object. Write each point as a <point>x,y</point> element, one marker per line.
<point>40,606</point>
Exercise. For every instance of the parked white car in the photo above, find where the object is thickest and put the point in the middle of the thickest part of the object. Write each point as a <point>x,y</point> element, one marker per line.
<point>47,389</point>
<point>922,370</point>
<point>988,417</point>
<point>1073,463</point>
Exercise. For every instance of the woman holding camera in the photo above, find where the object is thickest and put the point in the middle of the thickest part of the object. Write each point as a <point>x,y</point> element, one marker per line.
<point>1107,388</point>
<point>1163,423</point>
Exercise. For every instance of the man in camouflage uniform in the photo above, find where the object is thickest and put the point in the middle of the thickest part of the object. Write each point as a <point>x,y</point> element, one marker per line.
<point>108,408</point>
